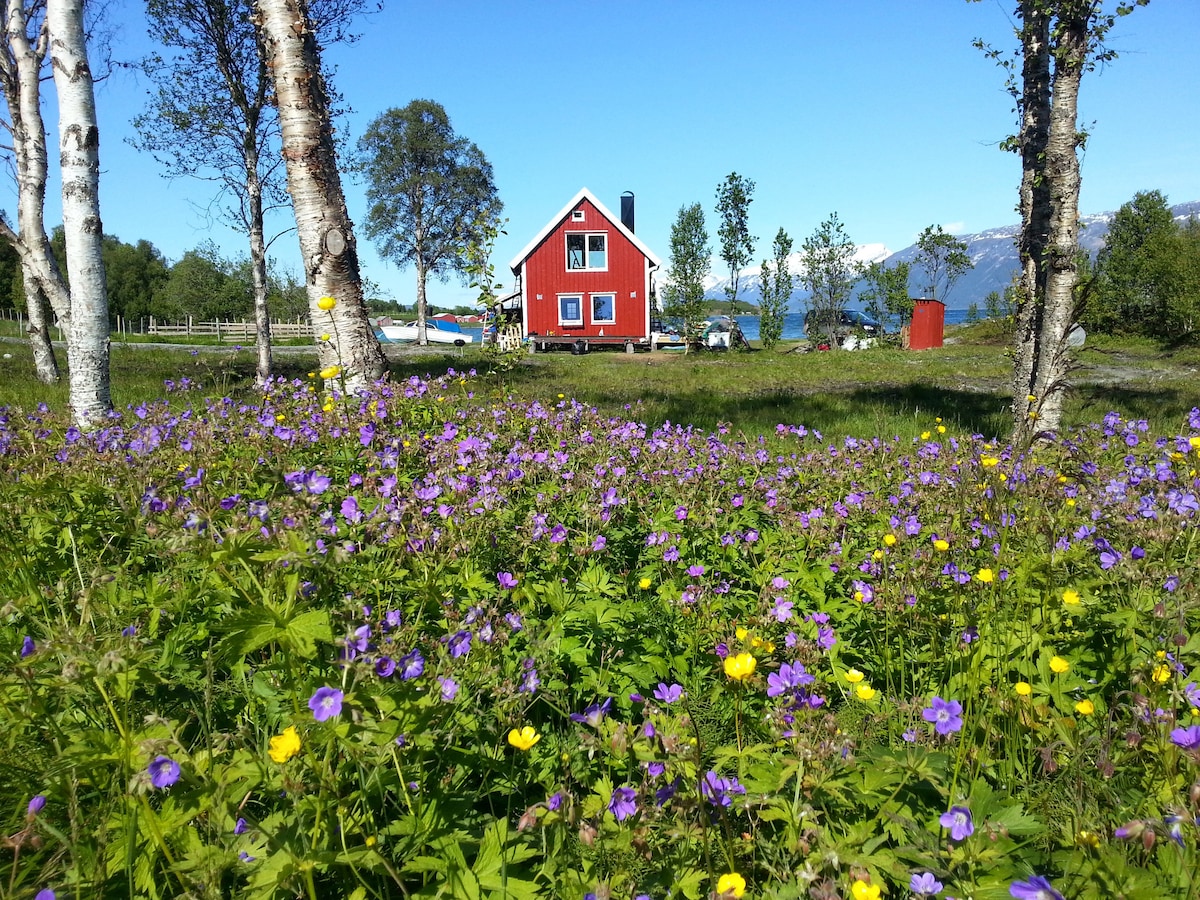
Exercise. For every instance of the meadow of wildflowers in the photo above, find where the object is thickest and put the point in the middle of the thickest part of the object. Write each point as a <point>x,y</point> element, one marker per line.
<point>418,644</point>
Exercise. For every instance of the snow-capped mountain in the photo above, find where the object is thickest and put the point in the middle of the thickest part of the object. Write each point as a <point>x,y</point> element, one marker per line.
<point>993,252</point>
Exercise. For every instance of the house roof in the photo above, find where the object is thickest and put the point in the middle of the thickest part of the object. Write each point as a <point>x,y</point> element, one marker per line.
<point>615,221</point>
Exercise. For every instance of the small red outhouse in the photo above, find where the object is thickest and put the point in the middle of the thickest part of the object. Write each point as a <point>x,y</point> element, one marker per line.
<point>928,324</point>
<point>586,279</point>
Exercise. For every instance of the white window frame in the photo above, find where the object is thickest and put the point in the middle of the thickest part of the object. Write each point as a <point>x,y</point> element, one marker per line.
<point>587,253</point>
<point>570,323</point>
<point>592,307</point>
<point>577,215</point>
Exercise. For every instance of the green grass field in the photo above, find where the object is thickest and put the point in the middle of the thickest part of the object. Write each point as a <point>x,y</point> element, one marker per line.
<point>876,392</point>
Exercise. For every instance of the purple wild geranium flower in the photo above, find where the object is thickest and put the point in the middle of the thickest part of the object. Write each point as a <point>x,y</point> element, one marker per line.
<point>44,894</point>
<point>449,689</point>
<point>782,609</point>
<point>239,827</point>
<point>668,693</point>
<point>958,820</point>
<point>36,805</point>
<point>946,715</point>
<point>385,666</point>
<point>164,772</point>
<point>717,790</point>
<point>1187,738</point>
<point>27,647</point>
<point>412,665</point>
<point>1036,888</point>
<point>326,703</point>
<point>594,714</point>
<point>790,675</point>
<point>554,801</point>
<point>623,803</point>
<point>459,644</point>
<point>507,580</point>
<point>924,884</point>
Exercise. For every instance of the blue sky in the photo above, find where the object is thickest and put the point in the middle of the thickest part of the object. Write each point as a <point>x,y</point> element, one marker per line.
<point>880,110</point>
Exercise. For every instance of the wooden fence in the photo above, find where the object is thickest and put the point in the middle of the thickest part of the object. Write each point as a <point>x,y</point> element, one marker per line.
<point>243,332</point>
<point>233,331</point>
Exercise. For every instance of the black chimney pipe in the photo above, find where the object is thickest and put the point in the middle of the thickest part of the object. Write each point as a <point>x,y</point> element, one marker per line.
<point>627,210</point>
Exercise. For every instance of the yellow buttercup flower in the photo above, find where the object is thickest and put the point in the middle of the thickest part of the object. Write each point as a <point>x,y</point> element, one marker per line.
<point>854,676</point>
<point>1070,597</point>
<point>865,692</point>
<point>740,632</point>
<point>890,540</point>
<point>988,461</point>
<point>644,584</point>
<point>1089,839</point>
<point>330,372</point>
<point>1085,707</point>
<point>326,303</point>
<point>741,666</point>
<point>940,544</point>
<point>732,883</point>
<point>941,429</point>
<point>863,891</point>
<point>987,576</point>
<point>1058,665</point>
<point>925,435</point>
<point>1024,688</point>
<point>1162,673</point>
<point>284,746</point>
<point>524,738</point>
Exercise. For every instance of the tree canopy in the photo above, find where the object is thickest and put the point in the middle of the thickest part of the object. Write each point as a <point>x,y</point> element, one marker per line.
<point>690,262</point>
<point>734,196</point>
<point>943,259</point>
<point>428,190</point>
<point>828,269</point>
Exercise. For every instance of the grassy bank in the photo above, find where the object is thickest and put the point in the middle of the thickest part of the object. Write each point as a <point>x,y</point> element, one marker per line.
<point>877,392</point>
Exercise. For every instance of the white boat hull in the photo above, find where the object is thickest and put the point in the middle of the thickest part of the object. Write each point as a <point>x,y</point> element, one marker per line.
<point>401,334</point>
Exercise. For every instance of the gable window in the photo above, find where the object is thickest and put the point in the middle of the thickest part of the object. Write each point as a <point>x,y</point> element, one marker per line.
<point>604,309</point>
<point>587,251</point>
<point>570,309</point>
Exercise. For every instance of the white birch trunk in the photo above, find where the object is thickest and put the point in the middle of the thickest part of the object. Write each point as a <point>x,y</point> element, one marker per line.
<point>1050,186</point>
<point>1035,209</point>
<point>327,242</point>
<point>79,149</point>
<point>422,304</point>
<point>258,262</point>
<point>20,73</point>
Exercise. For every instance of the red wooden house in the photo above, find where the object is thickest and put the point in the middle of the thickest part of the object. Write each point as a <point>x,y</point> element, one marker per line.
<point>586,278</point>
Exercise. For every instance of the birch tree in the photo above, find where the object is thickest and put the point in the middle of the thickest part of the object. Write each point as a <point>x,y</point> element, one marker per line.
<point>1059,40</point>
<point>734,196</point>
<point>690,263</point>
<point>79,155</point>
<point>428,191</point>
<point>777,286</point>
<point>21,61</point>
<point>327,243</point>
<point>212,117</point>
